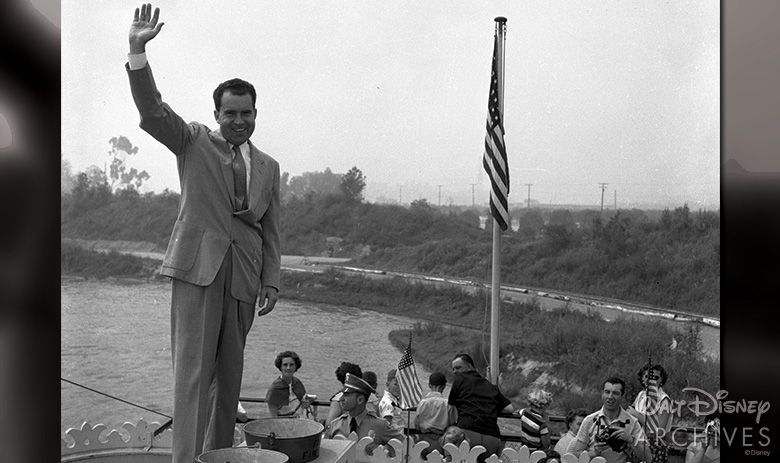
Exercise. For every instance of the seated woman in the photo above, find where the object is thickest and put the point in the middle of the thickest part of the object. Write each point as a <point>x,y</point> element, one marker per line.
<point>287,395</point>
<point>652,407</point>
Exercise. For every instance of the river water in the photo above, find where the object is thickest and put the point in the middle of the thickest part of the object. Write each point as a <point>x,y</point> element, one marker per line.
<point>115,338</point>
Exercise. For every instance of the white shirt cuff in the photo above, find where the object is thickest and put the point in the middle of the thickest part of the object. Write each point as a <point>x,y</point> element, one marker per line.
<point>136,61</point>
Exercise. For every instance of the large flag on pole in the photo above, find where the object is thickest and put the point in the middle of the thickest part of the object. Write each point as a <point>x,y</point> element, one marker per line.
<point>411,391</point>
<point>494,160</point>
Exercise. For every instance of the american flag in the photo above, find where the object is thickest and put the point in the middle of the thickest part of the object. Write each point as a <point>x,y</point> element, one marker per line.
<point>411,391</point>
<point>494,160</point>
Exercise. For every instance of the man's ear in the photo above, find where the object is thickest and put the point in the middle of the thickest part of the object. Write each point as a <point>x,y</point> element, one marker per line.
<point>216,115</point>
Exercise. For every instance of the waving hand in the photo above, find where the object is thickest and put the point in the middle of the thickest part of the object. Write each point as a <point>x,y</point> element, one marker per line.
<point>144,28</point>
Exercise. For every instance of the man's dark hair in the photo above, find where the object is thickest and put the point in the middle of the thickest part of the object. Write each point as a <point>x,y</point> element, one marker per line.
<point>236,87</point>
<point>657,366</point>
<point>346,367</point>
<point>284,355</point>
<point>583,412</point>
<point>616,380</point>
<point>465,357</point>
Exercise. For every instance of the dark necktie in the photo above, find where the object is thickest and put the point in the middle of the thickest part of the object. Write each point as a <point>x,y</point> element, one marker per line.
<point>239,179</point>
<point>352,425</point>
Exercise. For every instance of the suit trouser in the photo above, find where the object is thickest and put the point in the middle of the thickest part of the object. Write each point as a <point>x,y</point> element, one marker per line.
<point>492,444</point>
<point>208,334</point>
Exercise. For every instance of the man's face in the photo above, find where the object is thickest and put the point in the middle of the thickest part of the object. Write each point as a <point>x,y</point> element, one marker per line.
<point>350,402</point>
<point>459,366</point>
<point>392,386</point>
<point>236,117</point>
<point>611,396</point>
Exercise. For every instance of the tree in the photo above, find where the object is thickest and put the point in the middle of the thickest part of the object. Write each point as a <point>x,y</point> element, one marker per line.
<point>420,205</point>
<point>284,187</point>
<point>319,183</point>
<point>352,184</point>
<point>530,223</point>
<point>121,177</point>
<point>89,193</point>
<point>95,177</point>
<point>67,181</point>
<point>562,217</point>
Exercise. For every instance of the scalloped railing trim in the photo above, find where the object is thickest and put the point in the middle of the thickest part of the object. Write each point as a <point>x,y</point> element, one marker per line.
<point>92,439</point>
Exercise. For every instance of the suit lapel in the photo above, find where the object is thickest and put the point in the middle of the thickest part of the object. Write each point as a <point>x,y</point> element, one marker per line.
<point>256,179</point>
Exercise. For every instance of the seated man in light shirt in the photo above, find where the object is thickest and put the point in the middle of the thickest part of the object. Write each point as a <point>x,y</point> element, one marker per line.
<point>611,433</point>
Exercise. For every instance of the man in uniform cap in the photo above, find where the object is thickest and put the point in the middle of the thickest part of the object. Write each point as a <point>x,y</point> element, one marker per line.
<point>356,418</point>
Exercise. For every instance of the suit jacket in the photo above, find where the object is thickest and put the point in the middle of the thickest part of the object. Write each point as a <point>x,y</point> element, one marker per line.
<point>207,227</point>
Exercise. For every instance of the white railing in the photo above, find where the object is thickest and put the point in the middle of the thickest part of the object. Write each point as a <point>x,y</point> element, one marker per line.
<point>89,441</point>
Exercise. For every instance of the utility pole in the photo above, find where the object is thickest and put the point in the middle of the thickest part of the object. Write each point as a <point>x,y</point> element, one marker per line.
<point>439,194</point>
<point>603,187</point>
<point>529,194</point>
<point>473,204</point>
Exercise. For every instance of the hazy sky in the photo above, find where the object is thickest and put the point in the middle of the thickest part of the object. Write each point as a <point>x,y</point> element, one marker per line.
<point>596,91</point>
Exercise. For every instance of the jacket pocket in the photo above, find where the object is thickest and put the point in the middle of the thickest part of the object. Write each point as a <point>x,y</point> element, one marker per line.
<point>184,246</point>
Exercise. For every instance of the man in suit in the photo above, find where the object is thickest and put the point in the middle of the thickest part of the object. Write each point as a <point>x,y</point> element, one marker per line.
<point>224,253</point>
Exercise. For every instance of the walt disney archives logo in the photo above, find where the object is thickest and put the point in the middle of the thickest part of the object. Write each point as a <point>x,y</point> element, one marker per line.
<point>705,404</point>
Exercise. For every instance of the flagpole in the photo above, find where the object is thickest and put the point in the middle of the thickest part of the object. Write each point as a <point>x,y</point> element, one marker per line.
<point>495,306</point>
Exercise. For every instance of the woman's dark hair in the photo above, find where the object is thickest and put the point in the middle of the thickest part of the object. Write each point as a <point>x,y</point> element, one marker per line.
<point>711,416</point>
<point>346,367</point>
<point>657,366</point>
<point>583,412</point>
<point>284,355</point>
<point>465,357</point>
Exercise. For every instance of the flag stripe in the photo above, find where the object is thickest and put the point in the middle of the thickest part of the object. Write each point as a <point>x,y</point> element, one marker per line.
<point>494,160</point>
<point>409,383</point>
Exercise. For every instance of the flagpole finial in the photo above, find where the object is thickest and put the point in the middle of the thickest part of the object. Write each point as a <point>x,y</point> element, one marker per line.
<point>500,19</point>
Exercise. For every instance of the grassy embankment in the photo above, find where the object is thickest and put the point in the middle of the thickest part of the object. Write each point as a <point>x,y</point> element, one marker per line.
<point>75,261</point>
<point>567,352</point>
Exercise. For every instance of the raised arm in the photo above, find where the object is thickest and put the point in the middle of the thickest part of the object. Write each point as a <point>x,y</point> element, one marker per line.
<point>144,28</point>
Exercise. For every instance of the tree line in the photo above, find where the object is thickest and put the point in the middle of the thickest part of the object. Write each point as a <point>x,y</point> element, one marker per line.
<point>669,258</point>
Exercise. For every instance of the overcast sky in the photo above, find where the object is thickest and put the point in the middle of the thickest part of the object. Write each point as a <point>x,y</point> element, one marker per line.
<point>596,91</point>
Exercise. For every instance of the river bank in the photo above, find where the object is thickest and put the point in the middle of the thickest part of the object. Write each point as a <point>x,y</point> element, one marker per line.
<point>570,351</point>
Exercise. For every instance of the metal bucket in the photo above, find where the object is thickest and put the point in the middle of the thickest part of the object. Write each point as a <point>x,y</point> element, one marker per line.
<point>241,455</point>
<point>297,438</point>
